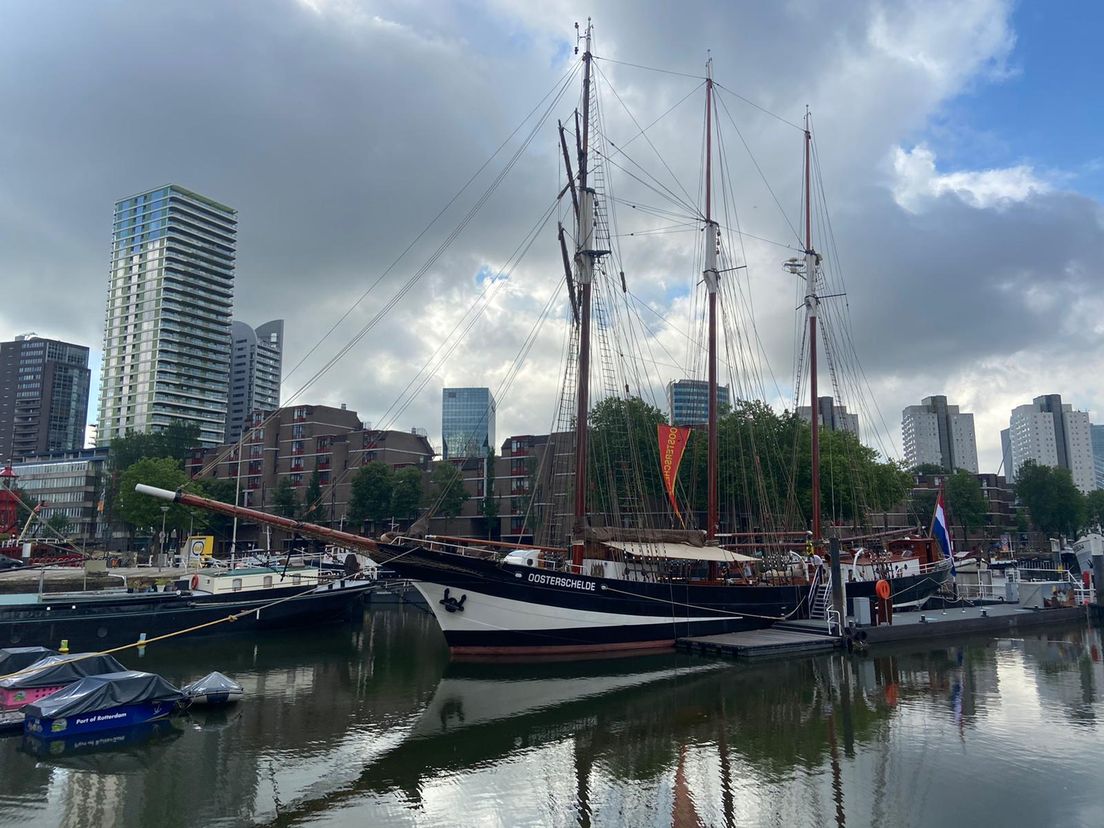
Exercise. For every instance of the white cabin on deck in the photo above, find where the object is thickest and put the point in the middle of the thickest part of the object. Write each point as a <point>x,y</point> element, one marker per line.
<point>252,579</point>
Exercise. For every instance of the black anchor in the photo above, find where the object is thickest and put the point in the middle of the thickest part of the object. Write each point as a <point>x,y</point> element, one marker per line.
<point>451,604</point>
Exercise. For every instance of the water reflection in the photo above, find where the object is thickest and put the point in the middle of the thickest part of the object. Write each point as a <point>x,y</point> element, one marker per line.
<point>372,724</point>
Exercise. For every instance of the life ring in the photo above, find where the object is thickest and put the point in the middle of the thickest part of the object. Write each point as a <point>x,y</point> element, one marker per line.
<point>195,581</point>
<point>883,589</point>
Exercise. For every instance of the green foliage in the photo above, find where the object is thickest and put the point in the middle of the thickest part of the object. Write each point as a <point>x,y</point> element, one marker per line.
<point>313,511</point>
<point>624,452</point>
<point>175,441</point>
<point>449,494</point>
<point>1056,505</point>
<point>766,469</point>
<point>922,506</point>
<point>1094,509</point>
<point>406,493</point>
<point>142,511</point>
<point>965,501</point>
<point>58,525</point>
<point>221,489</point>
<point>285,502</point>
<point>370,493</point>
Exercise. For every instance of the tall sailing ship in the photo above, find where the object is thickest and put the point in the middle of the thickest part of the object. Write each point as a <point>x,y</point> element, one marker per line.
<point>633,584</point>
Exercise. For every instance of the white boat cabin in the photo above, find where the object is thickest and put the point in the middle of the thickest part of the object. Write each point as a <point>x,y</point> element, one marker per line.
<point>252,579</point>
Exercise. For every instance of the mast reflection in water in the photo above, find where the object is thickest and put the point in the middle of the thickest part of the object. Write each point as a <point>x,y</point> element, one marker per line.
<point>370,724</point>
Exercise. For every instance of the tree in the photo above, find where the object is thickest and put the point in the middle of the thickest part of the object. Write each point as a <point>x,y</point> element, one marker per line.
<point>285,502</point>
<point>141,511</point>
<point>174,442</point>
<point>449,494</point>
<point>1094,509</point>
<point>1055,503</point>
<point>922,505</point>
<point>370,493</point>
<point>406,493</point>
<point>966,502</point>
<point>624,452</point>
<point>313,511</point>
<point>58,525</point>
<point>215,488</point>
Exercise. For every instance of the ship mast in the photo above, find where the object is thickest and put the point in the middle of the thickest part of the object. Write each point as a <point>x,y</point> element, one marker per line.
<point>812,303</point>
<point>585,258</point>
<point>711,284</point>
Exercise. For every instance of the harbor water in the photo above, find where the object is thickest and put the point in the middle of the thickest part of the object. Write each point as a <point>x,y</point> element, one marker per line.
<point>371,724</point>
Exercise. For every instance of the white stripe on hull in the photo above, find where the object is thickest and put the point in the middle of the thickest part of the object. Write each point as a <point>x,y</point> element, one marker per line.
<point>484,613</point>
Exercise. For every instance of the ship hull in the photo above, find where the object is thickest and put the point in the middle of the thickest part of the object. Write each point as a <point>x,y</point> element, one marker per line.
<point>92,624</point>
<point>488,608</point>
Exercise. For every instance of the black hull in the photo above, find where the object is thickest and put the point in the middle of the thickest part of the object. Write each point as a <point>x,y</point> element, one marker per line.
<point>908,591</point>
<point>517,610</point>
<point>90,625</point>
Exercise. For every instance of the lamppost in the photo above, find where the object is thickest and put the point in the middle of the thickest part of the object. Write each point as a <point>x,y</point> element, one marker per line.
<point>161,551</point>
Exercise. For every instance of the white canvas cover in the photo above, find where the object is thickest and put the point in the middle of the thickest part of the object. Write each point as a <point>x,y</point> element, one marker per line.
<point>680,552</point>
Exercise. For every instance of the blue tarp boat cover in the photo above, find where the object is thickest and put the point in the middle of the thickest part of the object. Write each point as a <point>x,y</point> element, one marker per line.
<point>56,670</point>
<point>16,658</point>
<point>94,693</point>
<point>212,684</point>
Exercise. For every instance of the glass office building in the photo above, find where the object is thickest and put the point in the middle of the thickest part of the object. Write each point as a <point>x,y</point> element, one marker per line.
<point>467,422</point>
<point>688,401</point>
<point>169,307</point>
<point>43,396</point>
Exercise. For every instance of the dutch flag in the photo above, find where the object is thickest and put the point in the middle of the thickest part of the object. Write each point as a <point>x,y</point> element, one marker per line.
<point>940,532</point>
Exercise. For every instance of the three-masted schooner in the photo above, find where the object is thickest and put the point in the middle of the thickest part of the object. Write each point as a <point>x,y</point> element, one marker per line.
<point>611,588</point>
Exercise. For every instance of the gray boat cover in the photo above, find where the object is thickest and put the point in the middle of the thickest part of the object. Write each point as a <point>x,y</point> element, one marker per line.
<point>56,670</point>
<point>102,692</point>
<point>16,658</point>
<point>211,683</point>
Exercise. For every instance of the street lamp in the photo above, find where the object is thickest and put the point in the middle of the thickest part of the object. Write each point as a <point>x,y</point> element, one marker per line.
<point>161,556</point>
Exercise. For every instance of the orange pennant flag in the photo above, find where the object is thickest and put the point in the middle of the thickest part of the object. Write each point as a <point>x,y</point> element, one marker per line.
<point>672,444</point>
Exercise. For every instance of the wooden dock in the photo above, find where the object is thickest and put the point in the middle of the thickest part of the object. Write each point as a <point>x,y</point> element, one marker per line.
<point>765,643</point>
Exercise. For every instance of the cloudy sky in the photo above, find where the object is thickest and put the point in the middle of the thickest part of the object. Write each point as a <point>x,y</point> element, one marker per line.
<point>957,147</point>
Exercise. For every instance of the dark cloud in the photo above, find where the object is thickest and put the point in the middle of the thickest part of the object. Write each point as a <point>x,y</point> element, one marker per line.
<point>338,129</point>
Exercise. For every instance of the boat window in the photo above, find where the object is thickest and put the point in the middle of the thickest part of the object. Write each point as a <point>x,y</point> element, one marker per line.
<point>268,582</point>
<point>296,579</point>
<point>237,585</point>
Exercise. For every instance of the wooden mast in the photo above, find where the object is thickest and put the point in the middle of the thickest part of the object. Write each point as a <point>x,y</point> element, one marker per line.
<point>585,255</point>
<point>711,284</point>
<point>811,305</point>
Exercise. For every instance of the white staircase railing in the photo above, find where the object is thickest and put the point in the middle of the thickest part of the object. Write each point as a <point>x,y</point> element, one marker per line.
<point>821,595</point>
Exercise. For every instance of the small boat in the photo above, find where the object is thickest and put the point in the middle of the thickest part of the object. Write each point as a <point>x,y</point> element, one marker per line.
<point>48,675</point>
<point>130,750</point>
<point>263,598</point>
<point>212,690</point>
<point>14,659</point>
<point>111,701</point>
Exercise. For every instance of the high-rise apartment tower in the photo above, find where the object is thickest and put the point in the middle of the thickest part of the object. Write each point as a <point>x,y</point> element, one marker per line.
<point>169,303</point>
<point>1051,433</point>
<point>43,396</point>
<point>939,434</point>
<point>256,360</point>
